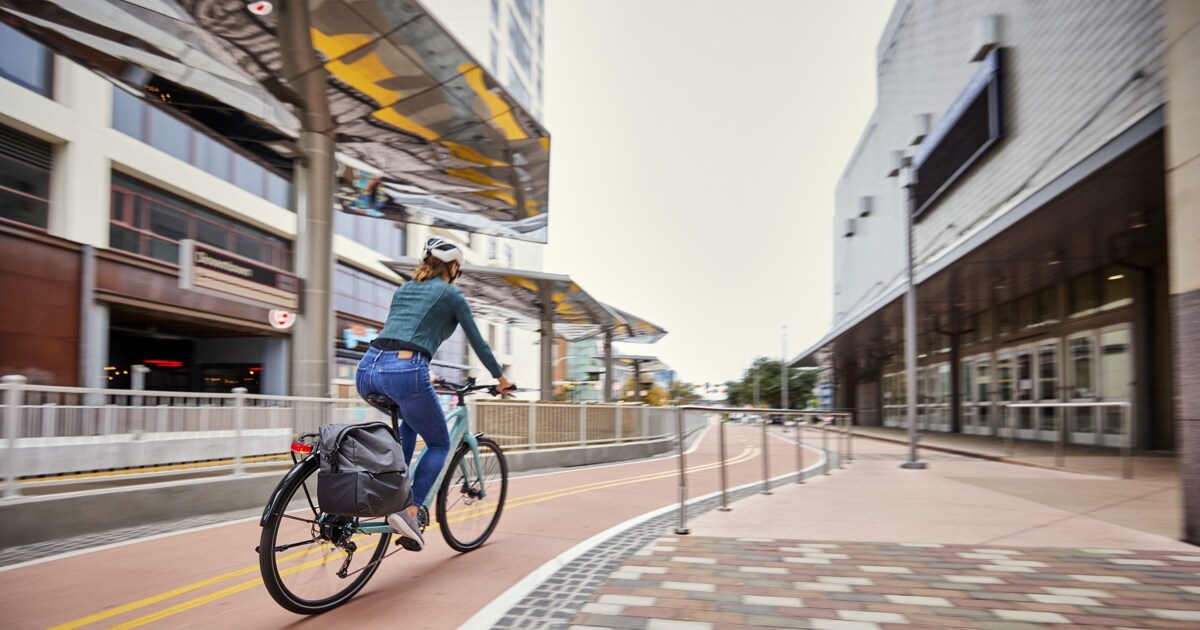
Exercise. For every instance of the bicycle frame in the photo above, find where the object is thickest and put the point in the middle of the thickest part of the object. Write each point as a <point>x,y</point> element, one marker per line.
<point>459,432</point>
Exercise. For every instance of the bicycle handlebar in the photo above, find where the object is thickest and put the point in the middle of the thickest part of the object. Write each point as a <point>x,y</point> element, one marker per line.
<point>462,389</point>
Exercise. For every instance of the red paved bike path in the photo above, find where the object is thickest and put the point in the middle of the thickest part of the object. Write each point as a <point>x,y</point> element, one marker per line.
<point>210,576</point>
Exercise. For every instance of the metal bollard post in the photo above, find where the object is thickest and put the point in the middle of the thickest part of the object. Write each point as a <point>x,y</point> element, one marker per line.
<point>239,422</point>
<point>532,424</point>
<point>825,446</point>
<point>583,424</point>
<point>799,450</point>
<point>682,529</point>
<point>1127,441</point>
<point>766,460</point>
<point>841,440</point>
<point>1059,456</point>
<point>724,476</point>
<point>13,398</point>
<point>1009,447</point>
<point>850,439</point>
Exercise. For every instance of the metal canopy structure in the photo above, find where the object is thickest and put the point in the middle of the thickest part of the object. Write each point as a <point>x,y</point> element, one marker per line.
<point>546,303</point>
<point>432,138</point>
<point>640,363</point>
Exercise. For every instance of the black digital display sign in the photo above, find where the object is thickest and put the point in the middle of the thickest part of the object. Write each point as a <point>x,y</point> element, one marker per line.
<point>972,124</point>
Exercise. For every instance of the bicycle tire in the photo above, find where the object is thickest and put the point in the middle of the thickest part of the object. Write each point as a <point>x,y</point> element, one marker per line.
<point>459,511</point>
<point>302,578</point>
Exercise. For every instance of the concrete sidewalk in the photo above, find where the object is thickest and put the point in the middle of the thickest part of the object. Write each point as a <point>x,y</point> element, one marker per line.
<point>965,543</point>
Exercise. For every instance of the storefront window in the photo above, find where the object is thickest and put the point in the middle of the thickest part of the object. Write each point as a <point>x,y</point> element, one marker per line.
<point>149,222</point>
<point>383,236</point>
<point>1082,356</point>
<point>1084,298</point>
<point>24,61</point>
<point>1117,290</point>
<point>24,192</point>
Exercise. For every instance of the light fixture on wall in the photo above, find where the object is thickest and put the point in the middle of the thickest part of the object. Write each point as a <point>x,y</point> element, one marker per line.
<point>1137,220</point>
<point>1055,258</point>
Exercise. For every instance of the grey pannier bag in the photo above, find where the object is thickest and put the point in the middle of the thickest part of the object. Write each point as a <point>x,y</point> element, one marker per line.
<point>362,471</point>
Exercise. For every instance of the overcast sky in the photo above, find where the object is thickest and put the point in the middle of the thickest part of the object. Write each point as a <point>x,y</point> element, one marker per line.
<point>696,146</point>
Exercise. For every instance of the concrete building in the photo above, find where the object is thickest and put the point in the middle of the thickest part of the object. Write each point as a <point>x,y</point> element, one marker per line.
<point>101,185</point>
<point>1051,149</point>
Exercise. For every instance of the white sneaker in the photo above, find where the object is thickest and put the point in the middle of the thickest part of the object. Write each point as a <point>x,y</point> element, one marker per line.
<point>408,527</point>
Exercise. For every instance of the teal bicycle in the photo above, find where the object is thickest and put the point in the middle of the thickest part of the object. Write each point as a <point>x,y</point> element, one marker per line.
<point>312,562</point>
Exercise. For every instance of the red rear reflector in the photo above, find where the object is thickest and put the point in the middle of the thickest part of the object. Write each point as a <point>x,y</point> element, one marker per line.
<point>300,447</point>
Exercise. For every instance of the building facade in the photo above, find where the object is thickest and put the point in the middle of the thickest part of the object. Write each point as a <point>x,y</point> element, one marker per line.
<point>103,186</point>
<point>1027,144</point>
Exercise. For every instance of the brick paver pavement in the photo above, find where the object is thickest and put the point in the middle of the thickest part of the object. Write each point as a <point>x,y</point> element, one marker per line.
<point>705,583</point>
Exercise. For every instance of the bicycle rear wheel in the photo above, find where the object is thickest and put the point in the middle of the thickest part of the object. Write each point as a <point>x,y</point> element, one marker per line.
<point>310,561</point>
<point>469,504</point>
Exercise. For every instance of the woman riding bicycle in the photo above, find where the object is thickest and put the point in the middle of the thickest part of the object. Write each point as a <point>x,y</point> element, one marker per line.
<point>424,313</point>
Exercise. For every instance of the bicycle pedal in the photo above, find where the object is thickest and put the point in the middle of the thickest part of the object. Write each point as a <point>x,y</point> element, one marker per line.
<point>408,543</point>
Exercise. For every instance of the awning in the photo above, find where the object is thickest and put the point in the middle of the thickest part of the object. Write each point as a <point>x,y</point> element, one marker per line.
<point>440,141</point>
<point>643,363</point>
<point>634,329</point>
<point>516,297</point>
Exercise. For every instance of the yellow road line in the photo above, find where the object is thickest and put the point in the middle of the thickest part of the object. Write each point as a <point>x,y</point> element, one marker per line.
<point>197,466</point>
<point>749,453</point>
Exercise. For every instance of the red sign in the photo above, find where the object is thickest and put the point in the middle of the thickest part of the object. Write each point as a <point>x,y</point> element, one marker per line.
<point>281,320</point>
<point>260,8</point>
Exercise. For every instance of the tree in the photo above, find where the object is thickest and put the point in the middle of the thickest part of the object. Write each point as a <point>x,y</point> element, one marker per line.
<point>682,393</point>
<point>767,372</point>
<point>655,395</point>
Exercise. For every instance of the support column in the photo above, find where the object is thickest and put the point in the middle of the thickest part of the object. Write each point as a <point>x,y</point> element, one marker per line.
<point>1183,243</point>
<point>312,338</point>
<point>608,365</point>
<point>547,331</point>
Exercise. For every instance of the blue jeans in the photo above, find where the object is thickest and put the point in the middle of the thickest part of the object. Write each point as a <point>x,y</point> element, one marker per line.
<point>406,381</point>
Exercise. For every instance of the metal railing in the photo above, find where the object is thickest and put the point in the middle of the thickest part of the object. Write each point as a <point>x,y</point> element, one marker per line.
<point>53,431</point>
<point>1127,437</point>
<point>839,422</point>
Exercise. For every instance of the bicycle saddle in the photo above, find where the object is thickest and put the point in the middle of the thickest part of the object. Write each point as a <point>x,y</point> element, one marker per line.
<point>382,400</point>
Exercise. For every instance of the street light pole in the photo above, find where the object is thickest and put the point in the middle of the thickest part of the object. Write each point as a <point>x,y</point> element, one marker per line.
<point>910,323</point>
<point>784,371</point>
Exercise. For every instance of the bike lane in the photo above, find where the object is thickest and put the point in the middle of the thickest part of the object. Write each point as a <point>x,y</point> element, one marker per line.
<point>196,578</point>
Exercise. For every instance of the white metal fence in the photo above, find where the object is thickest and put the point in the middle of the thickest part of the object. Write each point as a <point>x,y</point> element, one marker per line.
<point>53,431</point>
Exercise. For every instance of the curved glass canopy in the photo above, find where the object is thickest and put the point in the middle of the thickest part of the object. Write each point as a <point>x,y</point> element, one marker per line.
<point>518,297</point>
<point>433,137</point>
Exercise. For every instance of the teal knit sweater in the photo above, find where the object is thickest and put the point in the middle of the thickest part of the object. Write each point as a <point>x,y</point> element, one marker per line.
<point>426,313</point>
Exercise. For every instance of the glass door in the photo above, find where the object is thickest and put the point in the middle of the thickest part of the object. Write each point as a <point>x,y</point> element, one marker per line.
<point>1047,390</point>
<point>1116,381</point>
<point>1004,391</point>
<point>984,415</point>
<point>1081,385</point>
<point>967,388</point>
<point>1024,393</point>
<point>942,407</point>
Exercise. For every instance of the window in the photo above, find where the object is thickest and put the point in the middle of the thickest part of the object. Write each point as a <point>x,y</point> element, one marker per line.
<point>24,61</point>
<point>362,294</point>
<point>516,86</point>
<point>383,236</point>
<point>1116,291</point>
<point>1084,297</point>
<point>508,339</point>
<point>24,178</point>
<point>137,118</point>
<point>508,256</point>
<point>149,222</point>
<point>518,44</point>
<point>526,11</point>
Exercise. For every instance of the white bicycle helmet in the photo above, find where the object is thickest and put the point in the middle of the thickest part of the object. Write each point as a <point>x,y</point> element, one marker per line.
<point>443,250</point>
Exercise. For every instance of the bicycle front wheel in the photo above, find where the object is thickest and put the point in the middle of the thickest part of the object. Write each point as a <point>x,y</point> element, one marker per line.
<point>311,561</point>
<point>470,501</point>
